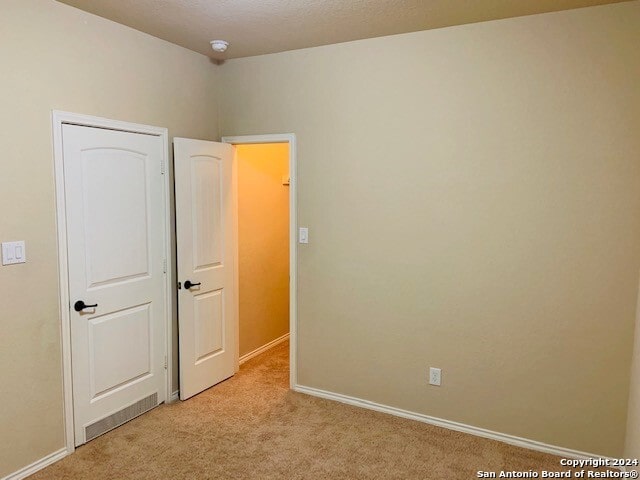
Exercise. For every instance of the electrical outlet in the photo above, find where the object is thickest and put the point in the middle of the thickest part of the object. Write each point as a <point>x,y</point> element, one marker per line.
<point>435,376</point>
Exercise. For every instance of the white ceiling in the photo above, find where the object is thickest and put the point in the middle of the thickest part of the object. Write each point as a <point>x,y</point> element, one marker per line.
<point>255,27</point>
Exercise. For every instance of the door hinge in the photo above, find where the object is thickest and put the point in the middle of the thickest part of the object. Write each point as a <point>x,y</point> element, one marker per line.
<point>165,362</point>
<point>162,166</point>
<point>164,265</point>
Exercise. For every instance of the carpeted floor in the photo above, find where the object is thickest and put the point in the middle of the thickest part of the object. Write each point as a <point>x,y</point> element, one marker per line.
<point>252,427</point>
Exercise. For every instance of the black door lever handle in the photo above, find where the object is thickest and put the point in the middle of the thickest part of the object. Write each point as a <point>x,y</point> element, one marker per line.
<point>188,284</point>
<point>80,306</point>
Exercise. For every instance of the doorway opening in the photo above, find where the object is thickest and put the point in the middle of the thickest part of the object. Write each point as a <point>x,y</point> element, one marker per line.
<point>264,198</point>
<point>263,247</point>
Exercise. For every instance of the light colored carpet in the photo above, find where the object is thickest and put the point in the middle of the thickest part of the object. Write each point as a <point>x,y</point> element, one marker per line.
<point>253,427</point>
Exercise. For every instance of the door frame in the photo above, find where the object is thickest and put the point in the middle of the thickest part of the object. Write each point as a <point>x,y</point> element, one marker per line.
<point>289,138</point>
<point>59,119</point>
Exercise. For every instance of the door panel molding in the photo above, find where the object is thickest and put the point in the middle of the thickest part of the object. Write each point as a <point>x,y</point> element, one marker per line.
<point>59,119</point>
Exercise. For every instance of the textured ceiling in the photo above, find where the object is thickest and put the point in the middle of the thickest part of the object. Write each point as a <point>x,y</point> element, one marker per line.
<point>255,27</point>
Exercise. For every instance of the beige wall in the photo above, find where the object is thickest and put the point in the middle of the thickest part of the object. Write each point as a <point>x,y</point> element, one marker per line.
<point>263,243</point>
<point>57,57</point>
<point>472,195</point>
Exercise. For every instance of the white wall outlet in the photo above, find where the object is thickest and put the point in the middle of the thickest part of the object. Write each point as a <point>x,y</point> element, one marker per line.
<point>435,376</point>
<point>13,252</point>
<point>303,236</point>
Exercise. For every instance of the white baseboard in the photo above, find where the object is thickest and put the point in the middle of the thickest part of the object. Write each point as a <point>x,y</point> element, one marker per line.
<point>37,465</point>
<point>174,396</point>
<point>264,348</point>
<point>439,422</point>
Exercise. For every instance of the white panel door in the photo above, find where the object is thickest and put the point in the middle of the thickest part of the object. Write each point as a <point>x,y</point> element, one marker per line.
<point>116,244</point>
<point>205,242</point>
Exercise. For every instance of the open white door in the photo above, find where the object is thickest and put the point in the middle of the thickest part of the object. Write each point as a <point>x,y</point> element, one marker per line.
<point>205,246</point>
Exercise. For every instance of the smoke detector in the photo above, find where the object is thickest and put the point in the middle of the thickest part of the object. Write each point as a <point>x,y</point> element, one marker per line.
<point>219,45</point>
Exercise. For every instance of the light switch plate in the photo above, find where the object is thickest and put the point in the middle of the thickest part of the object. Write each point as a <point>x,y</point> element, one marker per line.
<point>303,235</point>
<point>13,252</point>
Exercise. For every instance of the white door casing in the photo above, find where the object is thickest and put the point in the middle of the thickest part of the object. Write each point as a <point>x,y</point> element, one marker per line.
<point>205,236</point>
<point>116,250</point>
